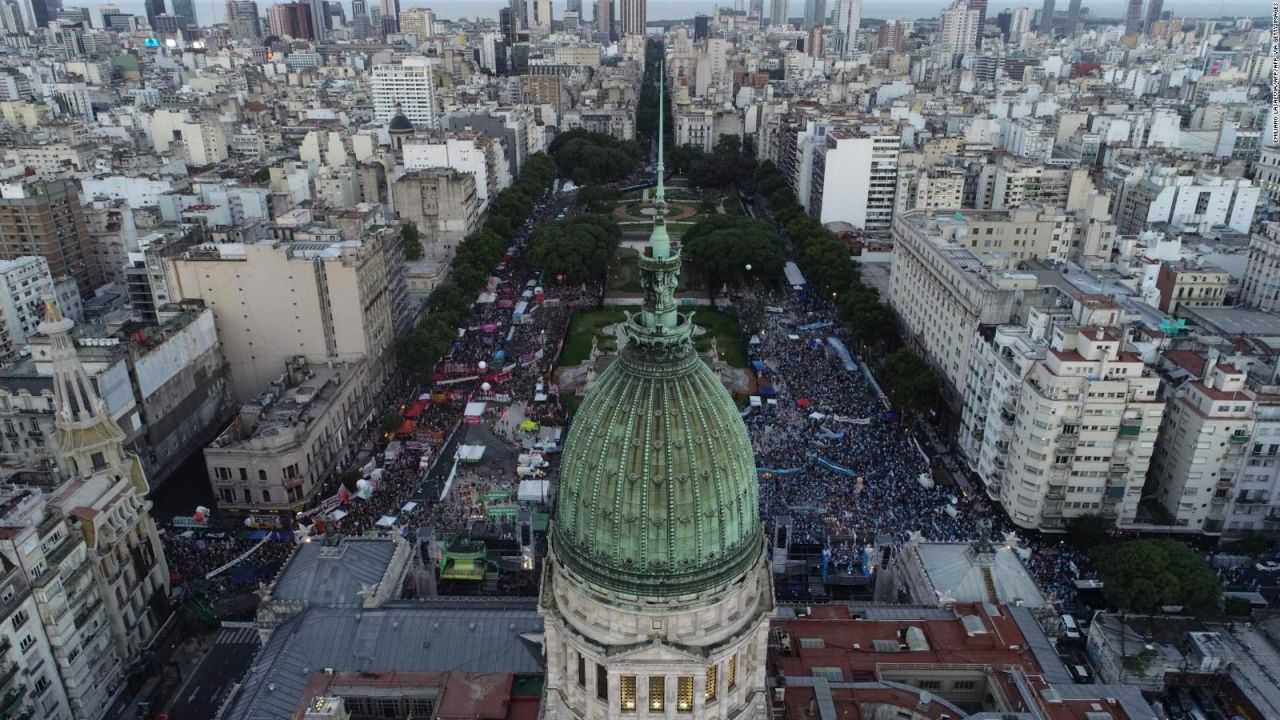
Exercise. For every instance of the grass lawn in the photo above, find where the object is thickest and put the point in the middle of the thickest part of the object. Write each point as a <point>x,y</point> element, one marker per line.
<point>585,326</point>
<point>723,326</point>
<point>624,272</point>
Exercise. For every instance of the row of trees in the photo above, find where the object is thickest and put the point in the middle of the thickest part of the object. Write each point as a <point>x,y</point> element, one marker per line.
<point>587,157</point>
<point>647,105</point>
<point>450,304</point>
<point>907,378</point>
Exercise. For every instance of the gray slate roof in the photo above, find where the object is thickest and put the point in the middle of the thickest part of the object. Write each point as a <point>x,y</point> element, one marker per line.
<point>446,636</point>
<point>317,575</point>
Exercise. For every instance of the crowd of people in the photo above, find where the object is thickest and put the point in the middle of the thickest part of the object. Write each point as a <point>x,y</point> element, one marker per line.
<point>193,556</point>
<point>844,469</point>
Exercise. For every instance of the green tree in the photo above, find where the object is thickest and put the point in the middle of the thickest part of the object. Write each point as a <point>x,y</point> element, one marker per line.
<point>261,175</point>
<point>871,321</point>
<point>1144,575</point>
<point>579,249</point>
<point>720,247</point>
<point>1090,530</point>
<point>412,242</point>
<point>1253,544</point>
<point>598,199</point>
<point>909,381</point>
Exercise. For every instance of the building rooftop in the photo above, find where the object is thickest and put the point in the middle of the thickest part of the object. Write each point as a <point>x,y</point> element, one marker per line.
<point>333,575</point>
<point>459,638</point>
<point>279,415</point>
<point>1231,321</point>
<point>956,571</point>
<point>840,665</point>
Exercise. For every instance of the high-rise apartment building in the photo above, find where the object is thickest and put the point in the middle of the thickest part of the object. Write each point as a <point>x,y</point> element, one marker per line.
<point>243,21</point>
<point>1060,419</point>
<point>408,86</point>
<point>23,282</point>
<point>633,18</point>
<point>1206,444</point>
<point>291,20</point>
<point>846,20</point>
<point>361,28</point>
<point>390,15</point>
<point>778,13</point>
<point>154,9</point>
<point>44,217</point>
<point>605,24</point>
<point>815,13</point>
<point>1133,17</point>
<point>1046,18</point>
<point>1073,17</point>
<point>276,300</point>
<point>418,21</point>
<point>319,29</point>
<point>186,12</point>
<point>854,178</point>
<point>959,35</point>
<point>1154,9</point>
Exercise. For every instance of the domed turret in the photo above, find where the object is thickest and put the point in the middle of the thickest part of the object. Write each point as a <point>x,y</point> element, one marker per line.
<point>399,128</point>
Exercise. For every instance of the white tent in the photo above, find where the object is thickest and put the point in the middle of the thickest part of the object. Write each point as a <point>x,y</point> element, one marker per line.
<point>474,409</point>
<point>470,453</point>
<point>409,506</point>
<point>387,521</point>
<point>532,491</point>
<point>338,515</point>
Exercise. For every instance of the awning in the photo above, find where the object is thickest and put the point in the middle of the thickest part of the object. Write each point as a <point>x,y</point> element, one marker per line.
<point>406,428</point>
<point>416,409</point>
<point>409,507</point>
<point>386,521</point>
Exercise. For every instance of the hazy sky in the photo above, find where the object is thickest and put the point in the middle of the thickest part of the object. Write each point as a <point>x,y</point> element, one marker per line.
<point>213,11</point>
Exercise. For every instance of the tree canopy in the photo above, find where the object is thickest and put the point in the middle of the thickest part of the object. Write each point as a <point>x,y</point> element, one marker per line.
<point>723,167</point>
<point>720,247</point>
<point>1145,575</point>
<point>412,242</point>
<point>909,381</point>
<point>579,249</point>
<point>598,199</point>
<point>587,157</point>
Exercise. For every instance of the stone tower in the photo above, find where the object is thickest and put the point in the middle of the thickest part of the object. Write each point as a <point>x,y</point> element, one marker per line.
<point>656,594</point>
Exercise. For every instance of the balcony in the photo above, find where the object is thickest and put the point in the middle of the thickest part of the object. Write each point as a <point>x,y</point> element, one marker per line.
<point>11,705</point>
<point>1130,430</point>
<point>1239,439</point>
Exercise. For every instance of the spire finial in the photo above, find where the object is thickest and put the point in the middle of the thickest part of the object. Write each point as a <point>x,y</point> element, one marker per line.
<point>660,196</point>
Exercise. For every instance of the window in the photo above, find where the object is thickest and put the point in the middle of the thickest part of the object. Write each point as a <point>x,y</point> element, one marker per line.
<point>602,682</point>
<point>657,693</point>
<point>684,693</point>
<point>19,619</point>
<point>627,693</point>
<point>27,642</point>
<point>731,672</point>
<point>930,684</point>
<point>99,461</point>
<point>711,682</point>
<point>963,685</point>
<point>582,671</point>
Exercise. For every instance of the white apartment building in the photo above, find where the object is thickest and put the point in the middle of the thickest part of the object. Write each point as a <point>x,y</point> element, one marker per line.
<point>854,178</point>
<point>954,272</point>
<point>1204,440</point>
<point>477,157</point>
<point>695,126</point>
<point>58,657</point>
<point>1010,183</point>
<point>23,282</point>
<point>929,189</point>
<point>959,34</point>
<point>203,140</point>
<point>846,19</point>
<point>320,298</point>
<point>1260,287</point>
<point>1197,202</point>
<point>1059,421</point>
<point>408,86</point>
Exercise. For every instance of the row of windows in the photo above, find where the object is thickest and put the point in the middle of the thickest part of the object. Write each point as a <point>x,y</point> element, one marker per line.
<point>657,685</point>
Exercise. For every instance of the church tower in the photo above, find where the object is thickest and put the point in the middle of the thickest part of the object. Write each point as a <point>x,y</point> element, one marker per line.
<point>656,595</point>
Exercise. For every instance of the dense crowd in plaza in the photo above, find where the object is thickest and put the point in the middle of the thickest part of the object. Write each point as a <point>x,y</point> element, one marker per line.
<point>836,461</point>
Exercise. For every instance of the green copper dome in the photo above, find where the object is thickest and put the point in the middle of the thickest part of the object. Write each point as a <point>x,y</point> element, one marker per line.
<point>658,494</point>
